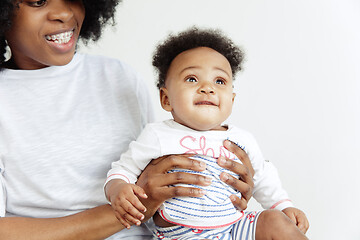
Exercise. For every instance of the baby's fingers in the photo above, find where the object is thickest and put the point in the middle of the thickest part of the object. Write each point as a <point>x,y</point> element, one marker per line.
<point>131,213</point>
<point>125,217</point>
<point>303,223</point>
<point>122,220</point>
<point>139,191</point>
<point>132,219</point>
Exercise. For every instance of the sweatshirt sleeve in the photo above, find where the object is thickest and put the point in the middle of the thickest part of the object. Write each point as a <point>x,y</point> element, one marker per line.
<point>268,190</point>
<point>2,190</point>
<point>136,158</point>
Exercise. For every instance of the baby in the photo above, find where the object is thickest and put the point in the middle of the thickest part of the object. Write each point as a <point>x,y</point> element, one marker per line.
<point>196,72</point>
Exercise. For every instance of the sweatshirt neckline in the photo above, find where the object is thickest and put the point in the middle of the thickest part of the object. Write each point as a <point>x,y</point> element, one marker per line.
<point>51,71</point>
<point>171,122</point>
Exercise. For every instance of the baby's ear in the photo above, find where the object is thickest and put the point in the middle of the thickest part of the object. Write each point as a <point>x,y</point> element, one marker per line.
<point>233,98</point>
<point>164,100</point>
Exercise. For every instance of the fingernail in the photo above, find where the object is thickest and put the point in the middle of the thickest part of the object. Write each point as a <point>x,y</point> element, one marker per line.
<point>225,177</point>
<point>227,143</point>
<point>202,191</point>
<point>208,180</point>
<point>222,160</point>
<point>202,165</point>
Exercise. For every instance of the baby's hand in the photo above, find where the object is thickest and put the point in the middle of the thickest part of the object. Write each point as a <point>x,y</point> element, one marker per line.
<point>126,203</point>
<point>298,217</point>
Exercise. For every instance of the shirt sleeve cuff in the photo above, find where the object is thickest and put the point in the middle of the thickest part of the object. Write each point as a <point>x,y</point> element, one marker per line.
<point>111,177</point>
<point>282,204</point>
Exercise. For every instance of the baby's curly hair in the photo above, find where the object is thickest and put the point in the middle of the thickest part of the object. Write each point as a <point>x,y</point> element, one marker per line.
<point>97,14</point>
<point>193,38</point>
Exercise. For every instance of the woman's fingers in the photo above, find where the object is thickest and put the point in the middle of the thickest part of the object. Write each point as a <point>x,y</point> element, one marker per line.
<point>178,191</point>
<point>161,185</point>
<point>239,203</point>
<point>158,183</point>
<point>241,154</point>
<point>245,183</point>
<point>185,178</point>
<point>169,162</point>
<point>156,173</point>
<point>244,188</point>
<point>155,179</point>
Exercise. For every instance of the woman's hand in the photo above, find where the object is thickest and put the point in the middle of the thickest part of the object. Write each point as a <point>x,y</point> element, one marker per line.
<point>246,172</point>
<point>155,180</point>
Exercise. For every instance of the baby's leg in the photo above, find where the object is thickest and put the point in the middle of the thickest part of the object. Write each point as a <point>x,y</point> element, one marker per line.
<point>275,225</point>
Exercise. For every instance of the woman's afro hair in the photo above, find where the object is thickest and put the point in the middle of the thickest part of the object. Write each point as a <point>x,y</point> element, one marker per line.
<point>97,14</point>
<point>193,38</point>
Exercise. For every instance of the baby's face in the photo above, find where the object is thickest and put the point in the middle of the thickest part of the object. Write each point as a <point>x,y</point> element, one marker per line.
<point>199,89</point>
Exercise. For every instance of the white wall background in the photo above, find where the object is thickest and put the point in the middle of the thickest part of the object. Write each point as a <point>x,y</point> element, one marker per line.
<point>299,93</point>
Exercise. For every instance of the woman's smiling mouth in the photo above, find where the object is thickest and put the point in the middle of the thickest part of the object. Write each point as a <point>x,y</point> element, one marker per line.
<point>64,37</point>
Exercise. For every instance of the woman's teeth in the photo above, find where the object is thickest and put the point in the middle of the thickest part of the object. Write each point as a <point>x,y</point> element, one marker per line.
<point>61,37</point>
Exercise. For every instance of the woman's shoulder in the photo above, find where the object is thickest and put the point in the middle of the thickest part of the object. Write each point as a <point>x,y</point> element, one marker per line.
<point>101,60</point>
<point>108,65</point>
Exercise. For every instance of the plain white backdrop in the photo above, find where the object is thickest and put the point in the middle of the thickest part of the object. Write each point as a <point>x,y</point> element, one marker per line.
<point>299,92</point>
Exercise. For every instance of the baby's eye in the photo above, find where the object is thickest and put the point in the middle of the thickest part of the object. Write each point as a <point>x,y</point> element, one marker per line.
<point>191,79</point>
<point>220,81</point>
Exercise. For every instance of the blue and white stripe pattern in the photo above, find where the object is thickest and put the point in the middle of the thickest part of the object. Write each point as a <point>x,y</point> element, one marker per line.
<point>214,210</point>
<point>183,233</point>
<point>244,229</point>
